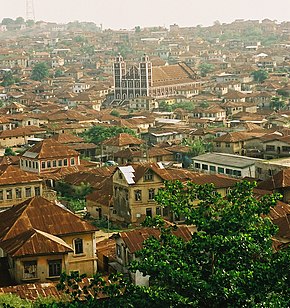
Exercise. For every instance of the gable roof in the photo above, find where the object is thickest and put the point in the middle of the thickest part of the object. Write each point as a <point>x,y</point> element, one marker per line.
<point>43,215</point>
<point>10,175</point>
<point>34,242</point>
<point>67,138</point>
<point>279,180</point>
<point>49,148</point>
<point>122,139</point>
<point>134,239</point>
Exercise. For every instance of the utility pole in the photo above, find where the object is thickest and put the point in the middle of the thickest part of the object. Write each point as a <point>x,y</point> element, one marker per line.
<point>30,15</point>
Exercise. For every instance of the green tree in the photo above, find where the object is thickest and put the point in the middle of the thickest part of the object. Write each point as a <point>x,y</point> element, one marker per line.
<point>115,113</point>
<point>9,152</point>
<point>260,75</point>
<point>7,21</point>
<point>97,134</point>
<point>39,71</point>
<point>205,68</point>
<point>277,103</point>
<point>19,20</point>
<point>229,262</point>
<point>8,79</point>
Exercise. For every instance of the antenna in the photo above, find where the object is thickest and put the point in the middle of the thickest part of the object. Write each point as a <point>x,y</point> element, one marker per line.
<point>30,10</point>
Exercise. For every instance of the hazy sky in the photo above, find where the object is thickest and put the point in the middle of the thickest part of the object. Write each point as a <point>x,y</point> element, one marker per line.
<point>129,13</point>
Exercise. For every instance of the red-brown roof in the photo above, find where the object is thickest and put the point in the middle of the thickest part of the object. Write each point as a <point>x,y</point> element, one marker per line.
<point>34,242</point>
<point>134,239</point>
<point>43,215</point>
<point>123,139</point>
<point>49,148</point>
<point>10,175</point>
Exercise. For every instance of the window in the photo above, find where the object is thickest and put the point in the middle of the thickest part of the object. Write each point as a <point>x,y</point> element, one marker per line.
<point>138,195</point>
<point>29,269</point>
<point>65,162</point>
<point>1,195</point>
<point>212,168</point>
<point>118,251</point>
<point>165,211</point>
<point>54,268</point>
<point>158,210</point>
<point>218,144</point>
<point>18,193</point>
<point>37,191</point>
<point>237,173</point>
<point>285,149</point>
<point>204,167</point>
<point>54,163</point>
<point>9,194</point>
<point>78,246</point>
<point>148,176</point>
<point>151,193</point>
<point>49,164</point>
<point>197,165</point>
<point>229,171</point>
<point>228,144</point>
<point>27,192</point>
<point>60,163</point>
<point>149,212</point>
<point>270,148</point>
<point>72,161</point>
<point>259,170</point>
<point>221,170</point>
<point>43,165</point>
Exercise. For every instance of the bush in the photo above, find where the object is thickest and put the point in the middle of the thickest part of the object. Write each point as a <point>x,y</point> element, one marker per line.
<point>11,300</point>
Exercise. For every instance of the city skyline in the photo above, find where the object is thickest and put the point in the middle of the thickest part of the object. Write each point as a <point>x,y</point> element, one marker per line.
<point>129,13</point>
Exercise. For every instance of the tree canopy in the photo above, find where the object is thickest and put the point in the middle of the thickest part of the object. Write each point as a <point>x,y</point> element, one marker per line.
<point>39,71</point>
<point>260,75</point>
<point>229,262</point>
<point>98,134</point>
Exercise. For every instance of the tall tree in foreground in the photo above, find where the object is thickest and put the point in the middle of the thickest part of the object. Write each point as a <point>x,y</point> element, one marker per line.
<point>230,261</point>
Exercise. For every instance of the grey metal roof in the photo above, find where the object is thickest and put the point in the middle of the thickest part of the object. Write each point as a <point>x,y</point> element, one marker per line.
<point>226,160</point>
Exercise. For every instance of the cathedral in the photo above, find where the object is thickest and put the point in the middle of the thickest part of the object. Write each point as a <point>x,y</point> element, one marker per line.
<point>148,80</point>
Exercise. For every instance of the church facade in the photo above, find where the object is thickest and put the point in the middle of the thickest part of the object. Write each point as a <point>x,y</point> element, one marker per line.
<point>146,80</point>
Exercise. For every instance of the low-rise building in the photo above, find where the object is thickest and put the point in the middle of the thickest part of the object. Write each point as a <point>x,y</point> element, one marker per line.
<point>40,240</point>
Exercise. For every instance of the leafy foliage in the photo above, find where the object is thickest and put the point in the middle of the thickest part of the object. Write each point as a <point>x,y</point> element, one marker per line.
<point>9,152</point>
<point>39,71</point>
<point>206,68</point>
<point>229,262</point>
<point>98,134</point>
<point>73,196</point>
<point>277,103</point>
<point>260,75</point>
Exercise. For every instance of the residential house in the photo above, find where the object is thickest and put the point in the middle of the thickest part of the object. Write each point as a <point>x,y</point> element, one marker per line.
<point>221,163</point>
<point>20,135</point>
<point>17,185</point>
<point>235,142</point>
<point>128,243</point>
<point>47,156</point>
<point>40,240</point>
<point>143,103</point>
<point>118,143</point>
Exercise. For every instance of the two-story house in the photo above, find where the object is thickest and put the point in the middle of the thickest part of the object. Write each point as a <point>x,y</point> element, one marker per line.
<point>48,155</point>
<point>17,185</point>
<point>40,240</point>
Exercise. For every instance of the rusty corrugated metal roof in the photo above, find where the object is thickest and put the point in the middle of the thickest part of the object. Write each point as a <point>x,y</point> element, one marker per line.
<point>34,242</point>
<point>41,214</point>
